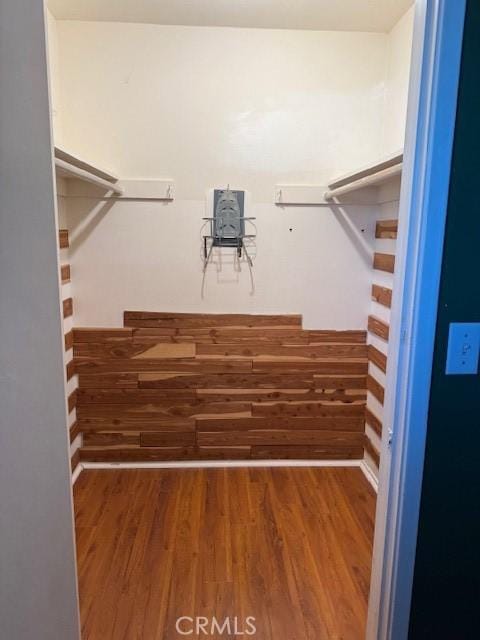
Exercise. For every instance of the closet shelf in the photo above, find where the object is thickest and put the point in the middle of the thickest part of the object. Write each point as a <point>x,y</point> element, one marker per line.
<point>369,176</point>
<point>69,166</point>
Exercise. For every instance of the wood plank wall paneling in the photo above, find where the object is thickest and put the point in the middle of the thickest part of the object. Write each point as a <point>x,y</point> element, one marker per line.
<point>236,387</point>
<point>63,241</point>
<point>372,451</point>
<point>70,369</point>
<point>384,262</point>
<point>378,327</point>
<point>145,319</point>
<point>386,229</point>
<point>378,358</point>
<point>374,422</point>
<point>382,295</point>
<point>375,388</point>
<point>72,401</point>
<point>67,308</point>
<point>65,273</point>
<point>74,431</point>
<point>75,459</point>
<point>69,341</point>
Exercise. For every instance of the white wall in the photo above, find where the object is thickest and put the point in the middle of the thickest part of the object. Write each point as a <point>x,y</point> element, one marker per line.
<point>214,105</point>
<point>211,106</point>
<point>54,76</point>
<point>37,557</point>
<point>399,45</point>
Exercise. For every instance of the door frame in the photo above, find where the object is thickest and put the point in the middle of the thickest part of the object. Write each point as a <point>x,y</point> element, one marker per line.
<point>435,71</point>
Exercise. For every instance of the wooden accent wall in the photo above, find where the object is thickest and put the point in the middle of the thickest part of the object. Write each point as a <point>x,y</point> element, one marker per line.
<point>187,386</point>
<point>379,333</point>
<point>65,278</point>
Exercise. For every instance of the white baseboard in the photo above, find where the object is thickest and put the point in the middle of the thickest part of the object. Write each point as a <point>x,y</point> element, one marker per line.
<point>232,464</point>
<point>77,472</point>
<point>369,475</point>
<point>212,464</point>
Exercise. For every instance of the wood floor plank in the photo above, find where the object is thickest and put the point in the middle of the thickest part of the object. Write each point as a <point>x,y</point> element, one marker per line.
<point>289,547</point>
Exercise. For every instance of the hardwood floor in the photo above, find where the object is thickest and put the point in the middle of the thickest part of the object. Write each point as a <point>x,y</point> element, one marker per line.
<point>290,547</point>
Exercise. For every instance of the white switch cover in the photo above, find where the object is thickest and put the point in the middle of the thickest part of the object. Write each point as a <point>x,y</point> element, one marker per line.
<point>463,348</point>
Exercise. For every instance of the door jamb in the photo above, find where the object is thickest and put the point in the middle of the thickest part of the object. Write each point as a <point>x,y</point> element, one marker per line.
<point>436,56</point>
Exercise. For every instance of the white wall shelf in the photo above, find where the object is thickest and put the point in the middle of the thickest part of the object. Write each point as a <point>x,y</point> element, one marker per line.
<point>368,176</point>
<point>372,175</point>
<point>69,166</point>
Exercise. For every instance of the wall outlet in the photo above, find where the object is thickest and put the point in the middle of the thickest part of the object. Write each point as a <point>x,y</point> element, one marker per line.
<point>463,348</point>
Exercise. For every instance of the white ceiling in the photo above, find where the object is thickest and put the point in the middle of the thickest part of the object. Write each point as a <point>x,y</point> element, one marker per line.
<point>335,15</point>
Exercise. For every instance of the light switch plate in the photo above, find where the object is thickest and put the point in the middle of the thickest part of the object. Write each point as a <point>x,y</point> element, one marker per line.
<point>463,348</point>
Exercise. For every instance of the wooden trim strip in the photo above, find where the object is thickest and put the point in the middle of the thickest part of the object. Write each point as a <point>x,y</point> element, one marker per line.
<point>378,327</point>
<point>74,431</point>
<point>67,308</point>
<point>374,422</point>
<point>382,295</point>
<point>72,401</point>
<point>146,319</point>
<point>75,460</point>
<point>63,241</point>
<point>98,334</point>
<point>69,341</point>
<point>375,388</point>
<point>384,262</point>
<point>386,229</point>
<point>378,358</point>
<point>372,452</point>
<point>70,368</point>
<point>65,273</point>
